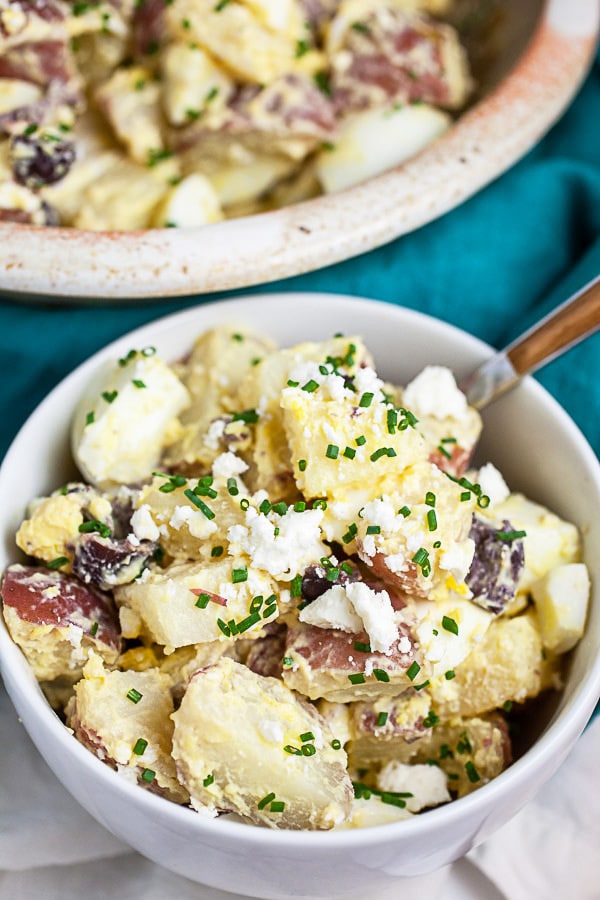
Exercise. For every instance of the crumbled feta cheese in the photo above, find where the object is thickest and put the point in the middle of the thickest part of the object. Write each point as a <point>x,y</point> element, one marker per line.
<point>228,465</point>
<point>493,484</point>
<point>457,558</point>
<point>377,613</point>
<point>271,731</point>
<point>427,784</point>
<point>214,434</point>
<point>332,609</point>
<point>143,525</point>
<point>198,524</point>
<point>434,392</point>
<point>286,554</point>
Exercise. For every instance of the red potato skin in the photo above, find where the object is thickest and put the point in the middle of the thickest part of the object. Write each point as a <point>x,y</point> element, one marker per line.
<point>457,464</point>
<point>332,650</point>
<point>68,602</point>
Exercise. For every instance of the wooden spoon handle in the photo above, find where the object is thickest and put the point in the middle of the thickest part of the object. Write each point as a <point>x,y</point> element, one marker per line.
<point>571,322</point>
<point>577,318</point>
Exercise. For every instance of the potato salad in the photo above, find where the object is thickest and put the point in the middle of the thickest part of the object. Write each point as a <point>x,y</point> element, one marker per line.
<point>281,591</point>
<point>134,114</point>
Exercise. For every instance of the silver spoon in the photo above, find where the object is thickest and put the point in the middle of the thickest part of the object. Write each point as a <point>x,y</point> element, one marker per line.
<point>571,322</point>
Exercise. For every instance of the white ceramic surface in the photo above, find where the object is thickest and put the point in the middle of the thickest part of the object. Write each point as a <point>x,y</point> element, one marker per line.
<point>526,434</point>
<point>545,48</point>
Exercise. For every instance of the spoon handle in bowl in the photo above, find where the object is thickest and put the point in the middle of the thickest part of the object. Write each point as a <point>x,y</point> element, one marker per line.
<point>571,322</point>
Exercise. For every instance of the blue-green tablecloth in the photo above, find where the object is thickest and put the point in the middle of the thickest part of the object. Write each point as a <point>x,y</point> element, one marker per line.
<point>492,266</point>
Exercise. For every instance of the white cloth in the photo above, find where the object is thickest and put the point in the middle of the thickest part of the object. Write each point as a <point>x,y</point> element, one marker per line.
<point>51,848</point>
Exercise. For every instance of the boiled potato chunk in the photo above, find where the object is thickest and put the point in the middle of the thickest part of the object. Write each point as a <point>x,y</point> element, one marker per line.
<point>247,744</point>
<point>561,598</point>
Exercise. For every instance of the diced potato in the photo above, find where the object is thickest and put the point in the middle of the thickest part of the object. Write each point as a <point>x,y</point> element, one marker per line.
<point>233,35</point>
<point>140,395</point>
<point>191,80</point>
<point>371,811</point>
<point>184,603</point>
<point>320,430</point>
<point>506,665</point>
<point>57,621</point>
<point>325,663</point>
<point>549,540</point>
<point>231,733</point>
<point>130,99</point>
<point>124,718</point>
<point>121,197</point>
<point>189,203</point>
<point>220,360</point>
<point>561,599</point>
<point>370,142</point>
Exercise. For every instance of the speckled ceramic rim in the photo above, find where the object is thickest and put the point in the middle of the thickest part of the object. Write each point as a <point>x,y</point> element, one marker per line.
<point>66,264</point>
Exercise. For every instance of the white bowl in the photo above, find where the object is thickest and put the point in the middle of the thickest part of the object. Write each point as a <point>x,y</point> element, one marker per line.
<point>538,56</point>
<point>536,446</point>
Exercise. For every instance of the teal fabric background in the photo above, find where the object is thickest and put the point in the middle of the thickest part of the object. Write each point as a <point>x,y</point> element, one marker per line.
<point>492,266</point>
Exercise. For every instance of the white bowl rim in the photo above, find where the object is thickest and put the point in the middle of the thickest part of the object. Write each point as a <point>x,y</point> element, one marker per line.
<point>552,743</point>
<point>62,264</point>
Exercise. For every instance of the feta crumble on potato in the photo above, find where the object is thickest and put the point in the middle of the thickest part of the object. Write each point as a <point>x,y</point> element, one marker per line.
<point>285,595</point>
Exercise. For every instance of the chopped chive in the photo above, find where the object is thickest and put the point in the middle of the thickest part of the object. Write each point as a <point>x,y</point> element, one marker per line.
<point>413,670</point>
<point>249,416</point>
<point>110,396</point>
<point>308,750</point>
<point>450,674</point>
<point>360,440</point>
<point>266,800</point>
<point>446,752</point>
<point>134,695</point>
<point>302,465</point>
<point>89,418</point>
<point>373,529</point>
<point>381,719</point>
<point>366,399</point>
<point>332,451</point>
<point>419,687</point>
<point>277,806</point>
<point>357,678</point>
<point>432,520</point>
<point>430,498</point>
<point>464,744</point>
<point>437,545</point>
<point>232,487</point>
<point>349,452</point>
<point>58,562</point>
<point>138,383</point>
<point>148,775</point>
<point>270,611</point>
<point>392,419</point>
<point>311,386</point>
<point>293,751</point>
<point>216,551</point>
<point>336,744</point>
<point>472,773</point>
<point>377,454</point>
<point>94,525</point>
<point>94,629</point>
<point>287,662</point>
<point>300,506</point>
<point>139,746</point>
<point>208,780</point>
<point>450,624</point>
<point>509,536</point>
<point>280,508</point>
<point>202,601</point>
<point>431,719</point>
<point>404,511</point>
<point>420,556</point>
<point>362,647</point>
<point>296,586</point>
<point>200,504</point>
<point>224,627</point>
<point>392,799</point>
<point>239,575</point>
<point>307,736</point>
<point>291,383</point>
<point>381,675</point>
<point>320,503</point>
<point>465,495</point>
<point>244,503</point>
<point>507,705</point>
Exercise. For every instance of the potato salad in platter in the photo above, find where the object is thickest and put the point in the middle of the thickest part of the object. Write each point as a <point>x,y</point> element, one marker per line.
<point>280,590</point>
<point>133,114</point>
